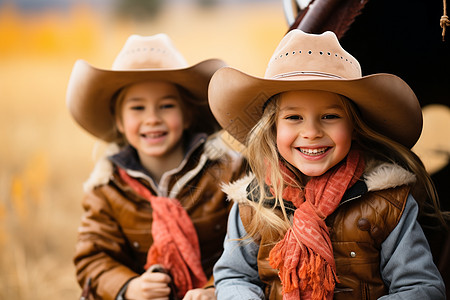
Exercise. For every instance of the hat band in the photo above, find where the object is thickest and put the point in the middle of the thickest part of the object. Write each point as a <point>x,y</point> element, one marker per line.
<point>299,73</point>
<point>303,73</point>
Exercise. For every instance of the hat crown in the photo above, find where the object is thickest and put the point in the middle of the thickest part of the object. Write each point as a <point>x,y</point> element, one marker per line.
<point>300,54</point>
<point>150,52</point>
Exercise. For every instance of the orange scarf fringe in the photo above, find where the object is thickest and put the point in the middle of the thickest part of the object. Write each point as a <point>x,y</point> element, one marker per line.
<point>304,257</point>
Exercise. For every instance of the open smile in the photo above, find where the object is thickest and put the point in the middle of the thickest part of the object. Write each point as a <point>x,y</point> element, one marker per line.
<point>314,152</point>
<point>154,135</point>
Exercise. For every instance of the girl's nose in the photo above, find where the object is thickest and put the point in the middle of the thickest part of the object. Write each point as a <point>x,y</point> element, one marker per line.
<point>152,117</point>
<point>311,129</point>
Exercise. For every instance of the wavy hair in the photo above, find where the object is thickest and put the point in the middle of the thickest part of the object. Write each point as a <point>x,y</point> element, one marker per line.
<point>264,160</point>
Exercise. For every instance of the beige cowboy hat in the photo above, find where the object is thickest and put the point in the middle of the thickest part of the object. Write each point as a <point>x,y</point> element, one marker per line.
<point>315,62</point>
<point>90,90</point>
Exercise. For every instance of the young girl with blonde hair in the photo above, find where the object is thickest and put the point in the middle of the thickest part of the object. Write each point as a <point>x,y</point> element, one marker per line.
<point>328,212</point>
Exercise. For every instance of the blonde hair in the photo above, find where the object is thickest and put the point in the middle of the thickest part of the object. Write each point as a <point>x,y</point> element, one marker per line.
<point>264,160</point>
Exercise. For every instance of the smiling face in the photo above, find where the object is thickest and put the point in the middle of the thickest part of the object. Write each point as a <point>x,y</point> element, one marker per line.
<point>152,120</point>
<point>314,132</point>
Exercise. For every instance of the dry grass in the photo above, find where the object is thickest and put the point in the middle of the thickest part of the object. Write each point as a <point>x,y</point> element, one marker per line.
<point>45,157</point>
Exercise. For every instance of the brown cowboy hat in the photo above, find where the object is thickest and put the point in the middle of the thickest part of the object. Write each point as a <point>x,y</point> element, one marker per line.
<point>315,62</point>
<point>90,90</point>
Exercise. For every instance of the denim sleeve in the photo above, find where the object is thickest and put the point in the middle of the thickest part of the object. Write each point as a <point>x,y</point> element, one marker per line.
<point>236,272</point>
<point>407,266</point>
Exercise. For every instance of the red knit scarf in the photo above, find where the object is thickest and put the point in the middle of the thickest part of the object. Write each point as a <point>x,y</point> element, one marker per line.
<point>304,257</point>
<point>175,241</point>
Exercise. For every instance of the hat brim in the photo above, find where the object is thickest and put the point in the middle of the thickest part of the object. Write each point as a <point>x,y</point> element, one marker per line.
<point>91,89</point>
<point>387,104</point>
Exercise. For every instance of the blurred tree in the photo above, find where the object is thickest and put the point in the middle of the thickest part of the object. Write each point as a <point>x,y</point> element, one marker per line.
<point>138,9</point>
<point>207,3</point>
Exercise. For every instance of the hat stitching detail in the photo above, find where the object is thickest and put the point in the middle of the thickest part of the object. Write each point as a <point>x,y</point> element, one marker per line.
<point>311,52</point>
<point>296,73</point>
<point>145,49</point>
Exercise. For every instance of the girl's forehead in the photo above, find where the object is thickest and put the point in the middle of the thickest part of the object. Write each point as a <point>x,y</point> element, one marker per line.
<point>142,90</point>
<point>152,86</point>
<point>310,98</point>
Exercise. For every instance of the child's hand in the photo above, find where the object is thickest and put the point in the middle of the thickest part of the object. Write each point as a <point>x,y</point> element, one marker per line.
<point>149,286</point>
<point>200,294</point>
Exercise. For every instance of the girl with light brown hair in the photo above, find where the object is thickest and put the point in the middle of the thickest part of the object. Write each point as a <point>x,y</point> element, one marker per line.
<point>154,214</point>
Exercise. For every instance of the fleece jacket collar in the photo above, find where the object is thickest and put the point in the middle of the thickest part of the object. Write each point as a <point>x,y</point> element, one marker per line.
<point>379,177</point>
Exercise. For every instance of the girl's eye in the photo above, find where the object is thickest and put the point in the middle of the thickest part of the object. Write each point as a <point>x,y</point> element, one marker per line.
<point>331,117</point>
<point>137,107</point>
<point>293,117</point>
<point>168,105</point>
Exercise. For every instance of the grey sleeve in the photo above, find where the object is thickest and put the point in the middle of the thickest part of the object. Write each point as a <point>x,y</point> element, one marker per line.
<point>236,272</point>
<point>407,266</point>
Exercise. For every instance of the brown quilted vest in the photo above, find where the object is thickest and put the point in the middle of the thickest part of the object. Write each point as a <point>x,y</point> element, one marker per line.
<point>357,229</point>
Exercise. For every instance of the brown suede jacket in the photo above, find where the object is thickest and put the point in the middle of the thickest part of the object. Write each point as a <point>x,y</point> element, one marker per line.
<point>356,252</point>
<point>115,231</point>
<point>368,213</point>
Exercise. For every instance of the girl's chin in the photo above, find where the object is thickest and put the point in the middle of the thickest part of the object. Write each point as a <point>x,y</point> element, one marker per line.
<point>313,174</point>
<point>313,171</point>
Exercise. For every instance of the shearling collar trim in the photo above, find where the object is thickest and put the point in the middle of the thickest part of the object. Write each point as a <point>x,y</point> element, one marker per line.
<point>380,177</point>
<point>387,175</point>
<point>214,149</point>
<point>103,169</point>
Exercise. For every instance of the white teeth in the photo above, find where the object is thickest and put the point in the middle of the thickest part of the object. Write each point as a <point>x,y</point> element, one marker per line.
<point>313,151</point>
<point>153,135</point>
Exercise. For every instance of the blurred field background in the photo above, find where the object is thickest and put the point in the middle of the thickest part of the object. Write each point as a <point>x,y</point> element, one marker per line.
<point>44,155</point>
